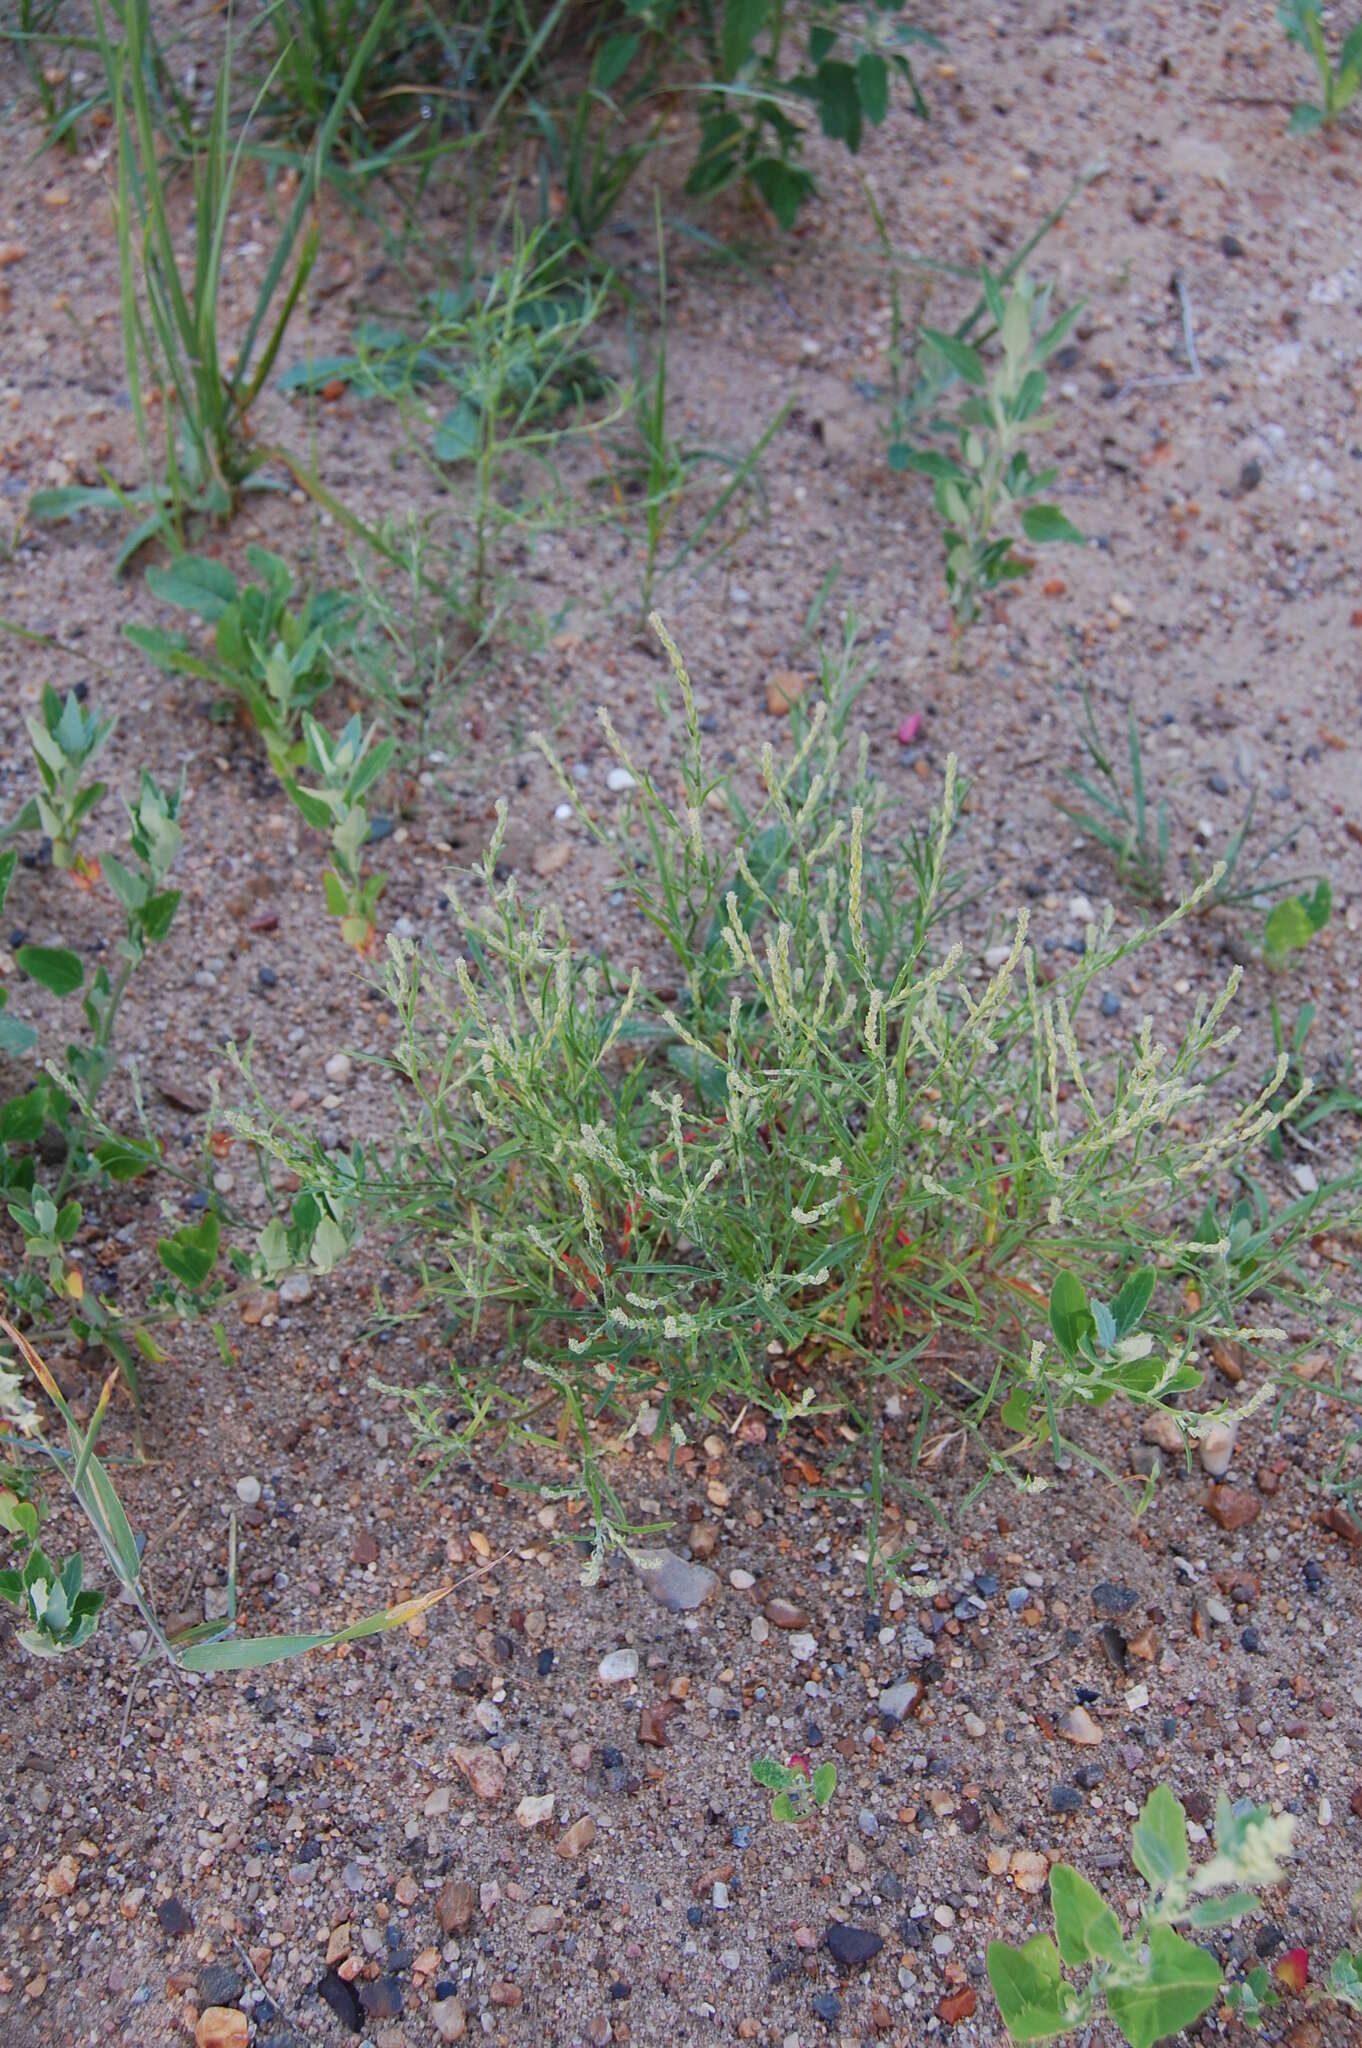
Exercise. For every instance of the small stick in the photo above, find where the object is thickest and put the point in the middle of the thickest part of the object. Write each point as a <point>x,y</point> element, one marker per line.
<point>1192,374</point>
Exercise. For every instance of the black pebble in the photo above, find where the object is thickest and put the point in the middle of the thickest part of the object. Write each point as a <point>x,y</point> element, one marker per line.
<point>1217,785</point>
<point>694,1916</point>
<point>1065,1798</point>
<point>1268,1939</point>
<point>852,1947</point>
<point>175,1919</point>
<point>828,2007</point>
<point>381,828</point>
<point>1230,245</point>
<point>1250,475</point>
<point>267,977</point>
<point>341,1998</point>
<point>1111,1003</point>
<point>220,1984</point>
<point>1110,1598</point>
<point>381,1998</point>
<point>1249,1639</point>
<point>545,1663</point>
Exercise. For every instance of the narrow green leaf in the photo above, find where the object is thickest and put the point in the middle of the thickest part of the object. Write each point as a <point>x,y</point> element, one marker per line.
<point>1158,1840</point>
<point>251,1652</point>
<point>966,362</point>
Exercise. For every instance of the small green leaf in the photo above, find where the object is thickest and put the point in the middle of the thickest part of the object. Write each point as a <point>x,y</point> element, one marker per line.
<point>964,360</point>
<point>1085,1926</point>
<point>1069,1315</point>
<point>1182,1981</point>
<point>1033,1999</point>
<point>191,1254</point>
<point>456,437</point>
<point>1042,523</point>
<point>54,967</point>
<point>193,583</point>
<point>1133,1299</point>
<point>1344,1981</point>
<point>1158,1840</point>
<point>783,1807</point>
<point>824,1784</point>
<point>776,1777</point>
<point>1305,118</point>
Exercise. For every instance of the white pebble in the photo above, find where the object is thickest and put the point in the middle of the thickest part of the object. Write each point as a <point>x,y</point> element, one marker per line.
<point>618,779</point>
<point>339,1067</point>
<point>248,1492</point>
<point>562,811</point>
<point>1081,910</point>
<point>618,1667</point>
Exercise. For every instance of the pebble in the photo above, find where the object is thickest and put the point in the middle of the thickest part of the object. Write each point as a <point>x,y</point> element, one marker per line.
<point>174,1918</point>
<point>535,1808</point>
<point>675,1582</point>
<point>1065,1798</point>
<point>741,1581</point>
<point>1111,1003</point>
<point>451,2021</point>
<point>339,1067</point>
<point>975,1728</point>
<point>618,1667</point>
<point>221,1984</point>
<point>1218,785</point>
<point>296,1289</point>
<point>910,728</point>
<point>484,1770</point>
<point>827,2006</point>
<point>1232,1507</point>
<point>343,2000</point>
<point>576,1840</point>
<point>1077,1725</point>
<point>220,2027</point>
<point>783,1613</point>
<point>455,1906</point>
<point>852,1947</point>
<point>1112,1598</point>
<point>703,1540</point>
<point>954,2006</point>
<point>784,690</point>
<point>381,1998</point>
<point>898,1701</point>
<point>248,1492</point>
<point>1081,910</point>
<point>803,1647</point>
<point>1216,1448</point>
<point>619,779</point>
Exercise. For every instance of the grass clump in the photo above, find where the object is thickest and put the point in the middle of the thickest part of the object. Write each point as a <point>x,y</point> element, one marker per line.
<point>819,1150</point>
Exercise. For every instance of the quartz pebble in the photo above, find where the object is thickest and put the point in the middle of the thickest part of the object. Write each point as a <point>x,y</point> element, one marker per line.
<point>248,1492</point>
<point>618,1667</point>
<point>898,1701</point>
<point>678,1584</point>
<point>339,1068</point>
<point>1216,1448</point>
<point>619,779</point>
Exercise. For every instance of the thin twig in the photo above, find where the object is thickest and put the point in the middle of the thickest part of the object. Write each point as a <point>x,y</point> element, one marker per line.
<point>1192,374</point>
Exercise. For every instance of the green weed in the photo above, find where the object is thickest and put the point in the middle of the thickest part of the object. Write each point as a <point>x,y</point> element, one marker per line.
<point>826,1152</point>
<point>269,660</point>
<point>60,1614</point>
<point>990,471</point>
<point>1338,83</point>
<point>171,340</point>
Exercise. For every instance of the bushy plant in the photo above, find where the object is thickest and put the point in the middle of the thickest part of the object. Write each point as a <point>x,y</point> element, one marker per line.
<point>827,1149</point>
